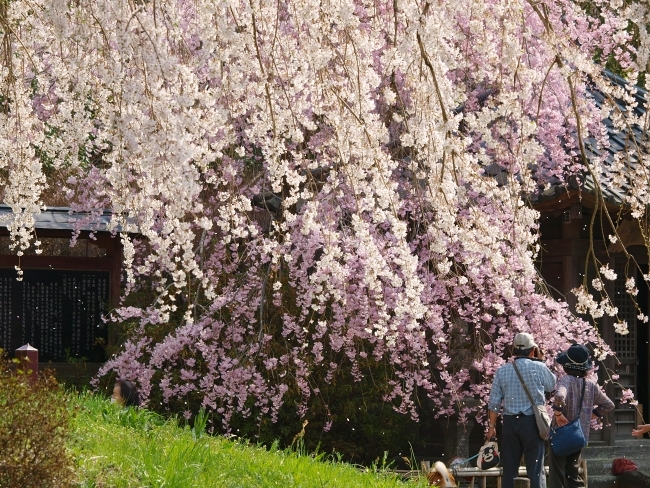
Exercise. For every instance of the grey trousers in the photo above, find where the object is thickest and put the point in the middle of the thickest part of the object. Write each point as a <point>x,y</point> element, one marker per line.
<point>563,470</point>
<point>520,436</point>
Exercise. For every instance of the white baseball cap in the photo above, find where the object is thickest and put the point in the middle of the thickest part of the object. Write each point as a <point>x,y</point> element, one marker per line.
<point>524,341</point>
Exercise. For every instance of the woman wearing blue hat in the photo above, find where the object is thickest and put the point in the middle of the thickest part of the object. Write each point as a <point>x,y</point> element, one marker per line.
<point>575,396</point>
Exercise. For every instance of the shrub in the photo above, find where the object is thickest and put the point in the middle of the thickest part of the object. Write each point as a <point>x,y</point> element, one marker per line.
<point>33,430</point>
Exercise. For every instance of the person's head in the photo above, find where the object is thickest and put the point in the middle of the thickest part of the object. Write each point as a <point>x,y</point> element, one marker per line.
<point>576,360</point>
<point>125,393</point>
<point>524,344</point>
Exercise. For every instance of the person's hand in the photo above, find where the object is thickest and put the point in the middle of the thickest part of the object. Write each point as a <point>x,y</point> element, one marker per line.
<point>491,432</point>
<point>561,420</point>
<point>641,430</point>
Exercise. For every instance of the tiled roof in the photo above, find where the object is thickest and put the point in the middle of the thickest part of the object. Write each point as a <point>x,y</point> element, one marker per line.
<point>619,141</point>
<point>61,218</point>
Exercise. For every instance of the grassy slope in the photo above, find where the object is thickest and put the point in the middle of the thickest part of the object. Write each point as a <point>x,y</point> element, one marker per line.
<point>135,448</point>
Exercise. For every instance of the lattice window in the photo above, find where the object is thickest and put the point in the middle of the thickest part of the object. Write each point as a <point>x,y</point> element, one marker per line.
<point>625,345</point>
<point>625,348</point>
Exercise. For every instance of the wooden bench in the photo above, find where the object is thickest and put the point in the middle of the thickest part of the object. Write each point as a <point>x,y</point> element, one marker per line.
<point>477,475</point>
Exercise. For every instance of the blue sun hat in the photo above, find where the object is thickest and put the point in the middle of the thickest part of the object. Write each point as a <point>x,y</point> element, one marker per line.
<point>577,357</point>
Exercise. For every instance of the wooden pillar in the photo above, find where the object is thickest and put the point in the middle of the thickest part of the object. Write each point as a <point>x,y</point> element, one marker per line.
<point>571,279</point>
<point>572,222</point>
<point>522,483</point>
<point>607,333</point>
<point>115,288</point>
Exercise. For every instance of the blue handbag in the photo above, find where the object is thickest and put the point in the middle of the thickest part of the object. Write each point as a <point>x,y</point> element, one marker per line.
<point>569,438</point>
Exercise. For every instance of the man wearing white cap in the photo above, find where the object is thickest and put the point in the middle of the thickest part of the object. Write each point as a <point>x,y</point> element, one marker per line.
<point>519,433</point>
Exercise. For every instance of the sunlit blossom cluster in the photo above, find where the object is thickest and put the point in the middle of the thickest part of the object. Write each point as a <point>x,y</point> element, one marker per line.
<point>308,186</point>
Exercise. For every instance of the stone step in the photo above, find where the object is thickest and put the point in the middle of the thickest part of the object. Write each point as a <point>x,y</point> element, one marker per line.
<point>603,467</point>
<point>599,467</point>
<point>622,448</point>
<point>603,482</point>
<point>630,479</point>
<point>600,457</point>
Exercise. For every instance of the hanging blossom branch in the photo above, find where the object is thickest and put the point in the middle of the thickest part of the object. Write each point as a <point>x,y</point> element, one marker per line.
<point>287,169</point>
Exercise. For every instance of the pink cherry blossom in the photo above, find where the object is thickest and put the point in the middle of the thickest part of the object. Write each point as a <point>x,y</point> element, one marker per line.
<point>389,148</point>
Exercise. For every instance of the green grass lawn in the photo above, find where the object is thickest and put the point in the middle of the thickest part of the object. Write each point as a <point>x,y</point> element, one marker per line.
<point>115,447</point>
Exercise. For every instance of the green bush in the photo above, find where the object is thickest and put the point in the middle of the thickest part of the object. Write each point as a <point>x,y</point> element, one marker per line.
<point>34,426</point>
